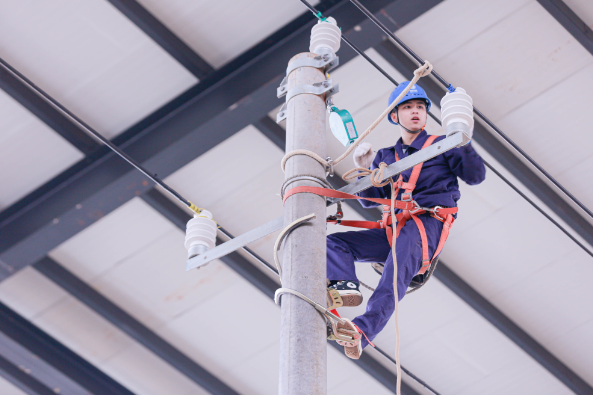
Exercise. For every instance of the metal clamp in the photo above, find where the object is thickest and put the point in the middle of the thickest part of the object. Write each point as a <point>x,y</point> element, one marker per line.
<point>319,88</point>
<point>325,62</point>
<point>330,169</point>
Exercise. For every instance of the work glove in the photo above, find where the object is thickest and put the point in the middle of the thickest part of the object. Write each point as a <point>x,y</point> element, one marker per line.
<point>363,155</point>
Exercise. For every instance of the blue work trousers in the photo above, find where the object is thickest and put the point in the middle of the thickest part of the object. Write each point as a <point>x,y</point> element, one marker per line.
<point>343,249</point>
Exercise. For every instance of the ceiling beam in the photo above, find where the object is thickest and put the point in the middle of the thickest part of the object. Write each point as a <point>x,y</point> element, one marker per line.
<point>11,83</point>
<point>164,37</point>
<point>499,151</point>
<point>470,295</point>
<point>268,286</point>
<point>224,103</point>
<point>49,361</point>
<point>570,21</point>
<point>23,380</point>
<point>132,327</point>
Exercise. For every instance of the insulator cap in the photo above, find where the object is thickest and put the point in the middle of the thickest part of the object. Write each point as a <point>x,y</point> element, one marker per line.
<point>200,234</point>
<point>325,35</point>
<point>456,111</point>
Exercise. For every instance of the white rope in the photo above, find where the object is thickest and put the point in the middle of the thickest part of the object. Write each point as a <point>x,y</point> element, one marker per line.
<point>395,293</point>
<point>420,72</point>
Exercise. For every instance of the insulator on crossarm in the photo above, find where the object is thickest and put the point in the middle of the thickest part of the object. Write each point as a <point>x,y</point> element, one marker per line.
<point>457,113</point>
<point>325,35</point>
<point>200,235</point>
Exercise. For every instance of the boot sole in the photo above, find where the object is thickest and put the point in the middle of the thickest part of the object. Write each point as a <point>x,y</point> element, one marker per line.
<point>352,300</point>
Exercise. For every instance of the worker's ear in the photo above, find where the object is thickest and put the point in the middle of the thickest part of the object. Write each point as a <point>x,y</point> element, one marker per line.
<point>393,116</point>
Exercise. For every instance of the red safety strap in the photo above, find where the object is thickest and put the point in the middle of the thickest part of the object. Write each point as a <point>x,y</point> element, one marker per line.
<point>409,210</point>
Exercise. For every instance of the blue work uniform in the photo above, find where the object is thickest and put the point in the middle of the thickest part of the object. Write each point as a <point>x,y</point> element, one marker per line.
<point>436,186</point>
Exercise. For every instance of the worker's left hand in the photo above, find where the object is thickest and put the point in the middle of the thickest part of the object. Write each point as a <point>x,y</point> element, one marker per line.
<point>363,155</point>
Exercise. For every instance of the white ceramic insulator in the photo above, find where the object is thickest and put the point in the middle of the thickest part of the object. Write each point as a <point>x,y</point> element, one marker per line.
<point>200,234</point>
<point>325,35</point>
<point>457,107</point>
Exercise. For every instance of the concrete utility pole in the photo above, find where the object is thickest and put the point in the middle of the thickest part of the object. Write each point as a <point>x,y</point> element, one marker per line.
<point>303,344</point>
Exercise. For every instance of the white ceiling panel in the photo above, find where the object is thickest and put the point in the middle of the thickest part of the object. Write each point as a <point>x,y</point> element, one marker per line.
<point>566,121</point>
<point>453,348</point>
<point>7,388</point>
<point>153,285</point>
<point>578,181</point>
<point>131,227</point>
<point>92,59</point>
<point>357,386</point>
<point>82,330</point>
<point>514,61</point>
<point>30,304</point>
<point>229,167</point>
<point>219,31</point>
<point>258,374</point>
<point>584,10</point>
<point>142,372</point>
<point>30,152</point>
<point>511,245</point>
<point>453,23</point>
<point>532,302</point>
<point>214,334</point>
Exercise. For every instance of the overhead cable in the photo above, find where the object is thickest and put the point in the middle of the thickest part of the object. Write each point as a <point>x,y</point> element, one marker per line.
<point>319,15</point>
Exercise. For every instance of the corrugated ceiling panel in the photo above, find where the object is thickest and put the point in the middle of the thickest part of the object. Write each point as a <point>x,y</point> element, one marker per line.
<point>92,59</point>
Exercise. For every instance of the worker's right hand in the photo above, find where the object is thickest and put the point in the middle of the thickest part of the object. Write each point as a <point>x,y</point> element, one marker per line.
<point>363,155</point>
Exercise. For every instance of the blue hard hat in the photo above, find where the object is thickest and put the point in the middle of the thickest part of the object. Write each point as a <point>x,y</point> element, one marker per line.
<point>415,93</point>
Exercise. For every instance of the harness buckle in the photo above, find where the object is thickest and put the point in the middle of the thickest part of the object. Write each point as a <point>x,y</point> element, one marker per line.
<point>406,197</point>
<point>434,213</point>
<point>417,208</point>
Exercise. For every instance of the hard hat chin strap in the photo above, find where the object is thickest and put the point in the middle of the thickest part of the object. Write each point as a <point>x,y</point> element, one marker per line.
<point>405,128</point>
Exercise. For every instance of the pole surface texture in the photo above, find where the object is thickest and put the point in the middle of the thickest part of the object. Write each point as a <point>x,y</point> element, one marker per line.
<point>303,345</point>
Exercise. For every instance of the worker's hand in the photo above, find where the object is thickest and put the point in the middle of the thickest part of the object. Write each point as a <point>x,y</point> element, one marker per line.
<point>363,155</point>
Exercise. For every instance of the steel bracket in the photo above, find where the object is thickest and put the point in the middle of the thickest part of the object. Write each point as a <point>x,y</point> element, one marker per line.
<point>319,88</point>
<point>326,62</point>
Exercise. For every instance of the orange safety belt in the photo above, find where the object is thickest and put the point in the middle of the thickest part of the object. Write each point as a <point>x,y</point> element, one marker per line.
<point>409,210</point>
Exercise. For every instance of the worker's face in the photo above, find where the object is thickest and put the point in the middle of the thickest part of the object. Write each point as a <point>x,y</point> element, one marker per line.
<point>412,115</point>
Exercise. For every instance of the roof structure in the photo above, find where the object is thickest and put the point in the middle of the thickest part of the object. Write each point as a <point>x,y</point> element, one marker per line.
<point>94,296</point>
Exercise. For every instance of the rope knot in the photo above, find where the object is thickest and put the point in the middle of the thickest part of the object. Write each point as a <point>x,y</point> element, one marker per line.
<point>423,70</point>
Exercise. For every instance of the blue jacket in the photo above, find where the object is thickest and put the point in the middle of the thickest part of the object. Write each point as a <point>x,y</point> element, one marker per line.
<point>437,184</point>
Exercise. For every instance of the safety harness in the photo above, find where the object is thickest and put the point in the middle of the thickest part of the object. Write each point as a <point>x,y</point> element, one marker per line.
<point>409,209</point>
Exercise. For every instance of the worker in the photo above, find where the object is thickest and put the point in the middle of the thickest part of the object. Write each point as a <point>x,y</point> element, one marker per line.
<point>437,185</point>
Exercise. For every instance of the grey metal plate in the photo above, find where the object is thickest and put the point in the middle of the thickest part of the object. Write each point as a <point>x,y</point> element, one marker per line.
<point>456,140</point>
<point>236,243</point>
